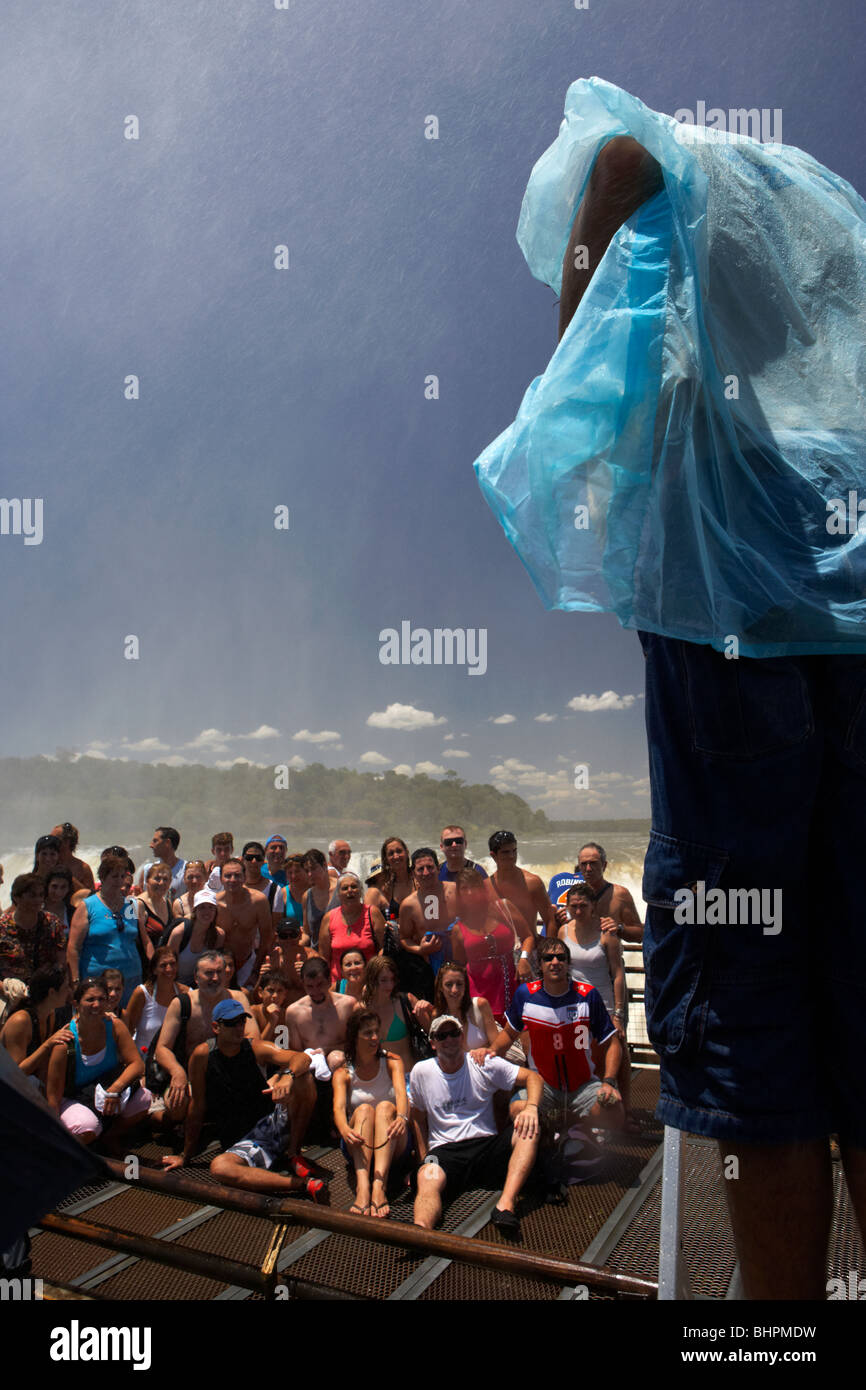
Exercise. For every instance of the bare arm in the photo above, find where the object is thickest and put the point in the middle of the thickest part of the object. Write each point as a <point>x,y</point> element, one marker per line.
<point>55,1077</point>
<point>624,176</point>
<point>78,930</point>
<point>488,1021</point>
<point>134,1064</point>
<point>340,1081</point>
<point>134,1008</point>
<point>544,907</point>
<point>195,1116</point>
<point>632,926</point>
<point>177,1087</point>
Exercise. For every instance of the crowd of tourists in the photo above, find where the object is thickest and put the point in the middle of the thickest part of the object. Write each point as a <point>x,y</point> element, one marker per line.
<point>444,1025</point>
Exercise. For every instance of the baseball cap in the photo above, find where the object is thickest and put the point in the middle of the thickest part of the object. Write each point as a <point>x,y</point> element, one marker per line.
<point>204,895</point>
<point>227,1010</point>
<point>275,840</point>
<point>440,1023</point>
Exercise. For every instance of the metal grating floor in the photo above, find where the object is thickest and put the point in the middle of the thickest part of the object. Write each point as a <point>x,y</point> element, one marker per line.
<point>339,1262</point>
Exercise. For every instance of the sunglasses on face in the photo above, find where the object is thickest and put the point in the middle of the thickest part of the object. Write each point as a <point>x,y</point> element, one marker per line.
<point>556,956</point>
<point>254,858</point>
<point>457,840</point>
<point>443,1033</point>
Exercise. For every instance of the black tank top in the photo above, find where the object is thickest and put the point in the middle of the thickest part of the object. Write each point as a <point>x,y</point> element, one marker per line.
<point>233,1093</point>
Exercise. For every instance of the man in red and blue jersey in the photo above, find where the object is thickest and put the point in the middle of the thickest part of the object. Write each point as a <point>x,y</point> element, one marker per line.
<point>562,1018</point>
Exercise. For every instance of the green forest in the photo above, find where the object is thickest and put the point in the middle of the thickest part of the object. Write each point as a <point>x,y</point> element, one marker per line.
<point>123,801</point>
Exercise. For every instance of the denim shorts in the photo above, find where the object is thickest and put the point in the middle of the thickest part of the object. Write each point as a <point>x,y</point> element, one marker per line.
<point>266,1141</point>
<point>758,778</point>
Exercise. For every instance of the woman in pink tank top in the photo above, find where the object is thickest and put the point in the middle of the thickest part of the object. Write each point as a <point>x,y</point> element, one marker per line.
<point>350,925</point>
<point>487,936</point>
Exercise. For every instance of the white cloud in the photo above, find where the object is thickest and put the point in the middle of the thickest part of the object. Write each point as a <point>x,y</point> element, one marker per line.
<point>95,753</point>
<point>456,753</point>
<point>510,767</point>
<point>296,762</point>
<point>403,770</point>
<point>174,761</point>
<point>214,740</point>
<point>263,731</point>
<point>504,719</point>
<point>324,736</point>
<point>225,763</point>
<point>98,743</point>
<point>404,717</point>
<point>146,745</point>
<point>446,737</point>
<point>429,769</point>
<point>372,759</point>
<point>609,700</point>
<point>545,718</point>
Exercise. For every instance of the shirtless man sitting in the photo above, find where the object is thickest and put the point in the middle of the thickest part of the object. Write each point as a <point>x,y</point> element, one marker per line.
<point>518,886</point>
<point>609,899</point>
<point>317,1023</point>
<point>210,990</point>
<point>243,913</point>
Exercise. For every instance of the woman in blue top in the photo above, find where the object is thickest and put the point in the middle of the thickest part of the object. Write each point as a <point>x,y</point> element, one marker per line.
<point>105,931</point>
<point>101,1054</point>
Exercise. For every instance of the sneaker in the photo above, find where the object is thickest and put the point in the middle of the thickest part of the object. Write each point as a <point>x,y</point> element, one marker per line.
<point>302,1169</point>
<point>506,1222</point>
<point>317,1191</point>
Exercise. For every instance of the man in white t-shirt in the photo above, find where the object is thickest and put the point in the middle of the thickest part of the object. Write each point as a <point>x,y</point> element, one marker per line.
<point>455,1130</point>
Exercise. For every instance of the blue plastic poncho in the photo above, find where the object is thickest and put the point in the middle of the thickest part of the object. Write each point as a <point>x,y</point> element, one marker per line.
<point>694,457</point>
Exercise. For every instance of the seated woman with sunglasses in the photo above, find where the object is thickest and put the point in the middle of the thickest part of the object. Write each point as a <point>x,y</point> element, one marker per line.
<point>371,1111</point>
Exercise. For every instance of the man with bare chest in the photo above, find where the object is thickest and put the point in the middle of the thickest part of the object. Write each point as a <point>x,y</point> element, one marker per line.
<point>317,1023</point>
<point>518,886</point>
<point>426,918</point>
<point>210,990</point>
<point>610,900</point>
<point>245,917</point>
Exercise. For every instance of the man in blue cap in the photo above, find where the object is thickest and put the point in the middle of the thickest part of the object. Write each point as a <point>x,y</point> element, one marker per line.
<point>259,1122</point>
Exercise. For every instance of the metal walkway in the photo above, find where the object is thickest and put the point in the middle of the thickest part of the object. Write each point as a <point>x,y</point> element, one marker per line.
<point>612,1223</point>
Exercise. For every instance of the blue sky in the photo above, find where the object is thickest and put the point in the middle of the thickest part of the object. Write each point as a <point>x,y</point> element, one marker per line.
<point>305,388</point>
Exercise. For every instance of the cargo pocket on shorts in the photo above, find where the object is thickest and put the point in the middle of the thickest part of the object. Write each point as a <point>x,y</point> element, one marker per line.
<point>744,708</point>
<point>675,952</point>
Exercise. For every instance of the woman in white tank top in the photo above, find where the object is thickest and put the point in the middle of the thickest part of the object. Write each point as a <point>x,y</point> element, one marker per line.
<point>452,996</point>
<point>371,1111</point>
<point>596,956</point>
<point>147,1006</point>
